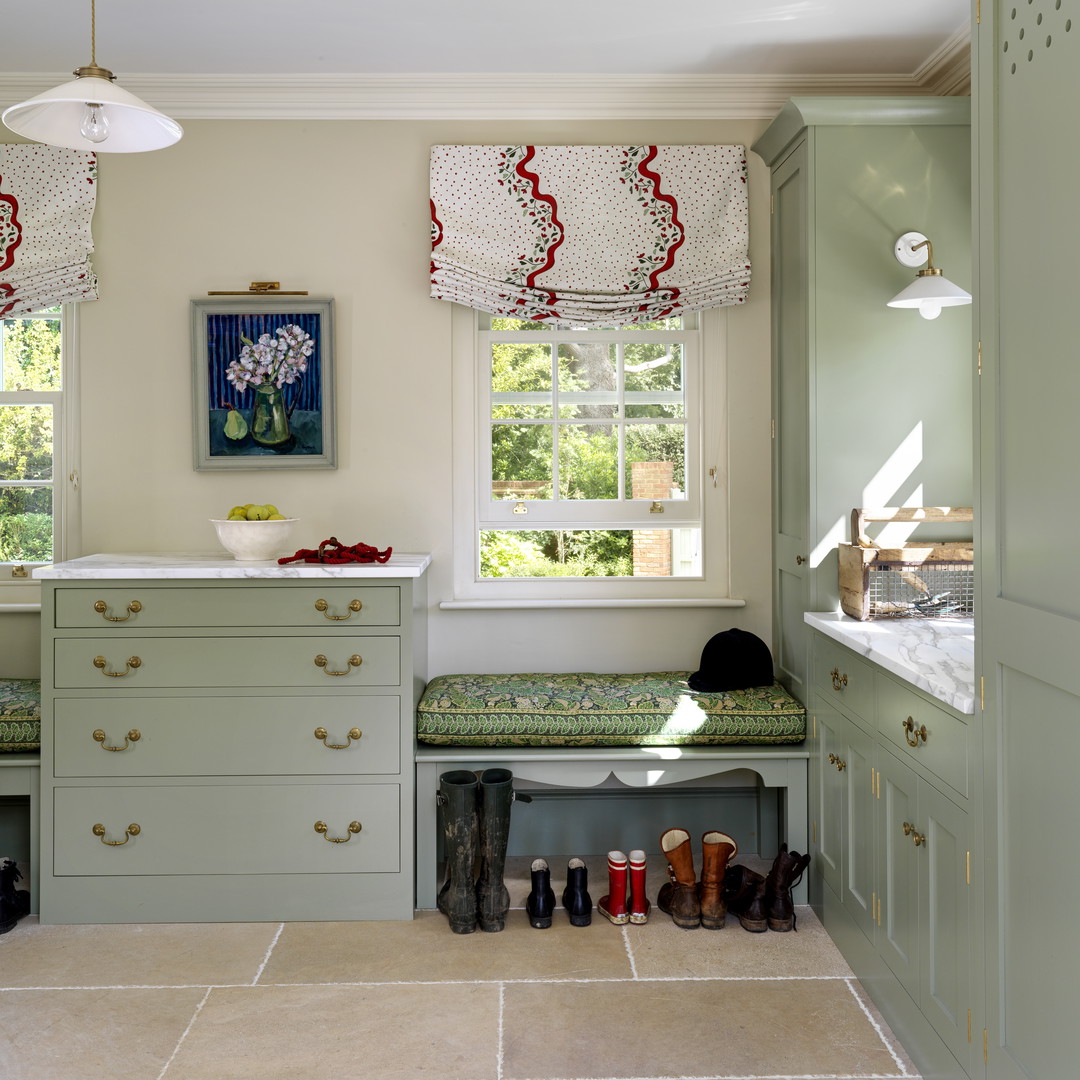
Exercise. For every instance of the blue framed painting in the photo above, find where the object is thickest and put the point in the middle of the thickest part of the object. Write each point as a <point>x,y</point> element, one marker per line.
<point>264,386</point>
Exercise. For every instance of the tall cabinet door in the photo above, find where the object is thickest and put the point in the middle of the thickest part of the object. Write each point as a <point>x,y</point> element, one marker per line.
<point>791,417</point>
<point>1028,613</point>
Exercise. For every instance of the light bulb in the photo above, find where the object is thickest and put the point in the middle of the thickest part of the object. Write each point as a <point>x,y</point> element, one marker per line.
<point>929,310</point>
<point>95,124</point>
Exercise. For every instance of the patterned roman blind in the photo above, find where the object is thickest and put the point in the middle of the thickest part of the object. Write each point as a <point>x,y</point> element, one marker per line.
<point>46,203</point>
<point>589,235</point>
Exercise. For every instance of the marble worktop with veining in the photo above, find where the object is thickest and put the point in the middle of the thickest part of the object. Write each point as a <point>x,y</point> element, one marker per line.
<point>936,655</point>
<point>216,565</point>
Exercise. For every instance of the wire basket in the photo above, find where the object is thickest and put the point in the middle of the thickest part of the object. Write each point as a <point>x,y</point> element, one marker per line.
<point>897,590</point>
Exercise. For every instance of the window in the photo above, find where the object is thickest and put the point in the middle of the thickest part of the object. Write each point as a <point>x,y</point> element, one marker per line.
<point>585,468</point>
<point>33,386</point>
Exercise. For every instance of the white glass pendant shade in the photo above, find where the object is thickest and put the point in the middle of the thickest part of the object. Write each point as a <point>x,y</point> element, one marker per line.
<point>118,122</point>
<point>930,294</point>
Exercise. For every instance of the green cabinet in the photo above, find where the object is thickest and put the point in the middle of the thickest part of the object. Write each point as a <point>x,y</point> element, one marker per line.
<point>230,749</point>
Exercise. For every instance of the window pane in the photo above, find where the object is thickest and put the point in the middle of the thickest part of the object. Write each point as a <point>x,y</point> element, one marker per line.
<point>518,324</point>
<point>26,526</point>
<point>26,442</point>
<point>623,553</point>
<point>521,456</point>
<point>587,386</point>
<point>520,368</point>
<point>653,377</point>
<point>588,461</point>
<point>656,461</point>
<point>31,355</point>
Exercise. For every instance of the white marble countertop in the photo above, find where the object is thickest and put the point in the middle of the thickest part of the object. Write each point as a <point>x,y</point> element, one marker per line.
<point>936,655</point>
<point>217,565</point>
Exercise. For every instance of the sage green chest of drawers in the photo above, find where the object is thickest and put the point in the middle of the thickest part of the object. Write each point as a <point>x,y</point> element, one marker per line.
<point>222,743</point>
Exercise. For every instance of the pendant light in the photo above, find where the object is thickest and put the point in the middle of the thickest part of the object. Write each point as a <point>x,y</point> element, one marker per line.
<point>93,113</point>
<point>930,291</point>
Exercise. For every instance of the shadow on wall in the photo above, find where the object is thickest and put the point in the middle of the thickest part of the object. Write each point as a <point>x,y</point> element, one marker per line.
<point>20,644</point>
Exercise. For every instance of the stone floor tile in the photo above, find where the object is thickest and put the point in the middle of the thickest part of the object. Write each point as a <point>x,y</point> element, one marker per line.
<point>130,954</point>
<point>427,950</point>
<point>687,1030</point>
<point>84,1034</point>
<point>334,1032</point>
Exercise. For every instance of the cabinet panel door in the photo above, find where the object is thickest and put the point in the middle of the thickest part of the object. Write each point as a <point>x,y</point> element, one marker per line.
<point>945,961</point>
<point>859,837</point>
<point>898,936</point>
<point>832,727</point>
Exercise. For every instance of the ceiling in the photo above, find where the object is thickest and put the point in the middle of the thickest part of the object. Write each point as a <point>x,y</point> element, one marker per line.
<point>882,47</point>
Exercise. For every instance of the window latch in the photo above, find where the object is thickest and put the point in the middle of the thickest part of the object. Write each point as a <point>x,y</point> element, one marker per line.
<point>656,508</point>
<point>19,571</point>
<point>521,508</point>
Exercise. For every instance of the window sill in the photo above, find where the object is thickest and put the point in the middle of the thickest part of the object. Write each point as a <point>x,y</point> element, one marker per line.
<point>503,605</point>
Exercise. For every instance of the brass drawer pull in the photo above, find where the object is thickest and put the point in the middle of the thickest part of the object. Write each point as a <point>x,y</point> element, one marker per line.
<point>132,830</point>
<point>909,730</point>
<point>800,559</point>
<point>134,735</point>
<point>354,734</point>
<point>354,828</point>
<point>838,681</point>
<point>133,662</point>
<point>354,606</point>
<point>354,661</point>
<point>918,838</point>
<point>132,609</point>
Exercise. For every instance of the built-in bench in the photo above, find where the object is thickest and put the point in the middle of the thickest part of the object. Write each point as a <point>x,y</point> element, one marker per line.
<point>576,730</point>
<point>20,757</point>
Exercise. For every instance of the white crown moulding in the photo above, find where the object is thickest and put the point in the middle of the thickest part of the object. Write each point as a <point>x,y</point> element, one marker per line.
<point>498,96</point>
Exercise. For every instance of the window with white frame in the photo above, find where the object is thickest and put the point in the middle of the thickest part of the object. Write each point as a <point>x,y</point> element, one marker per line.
<point>586,462</point>
<point>34,420</point>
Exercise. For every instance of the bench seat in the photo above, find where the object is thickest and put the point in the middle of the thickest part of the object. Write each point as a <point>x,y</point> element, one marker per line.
<point>589,709</point>
<point>20,716</point>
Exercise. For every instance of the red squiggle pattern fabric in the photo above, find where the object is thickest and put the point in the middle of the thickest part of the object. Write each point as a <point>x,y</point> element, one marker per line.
<point>534,181</point>
<point>670,200</point>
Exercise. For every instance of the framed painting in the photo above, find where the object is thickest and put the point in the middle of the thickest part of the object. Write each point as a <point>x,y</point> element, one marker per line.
<point>263,382</point>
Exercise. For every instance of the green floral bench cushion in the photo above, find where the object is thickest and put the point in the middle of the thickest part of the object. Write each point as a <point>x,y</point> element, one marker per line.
<point>20,715</point>
<point>583,709</point>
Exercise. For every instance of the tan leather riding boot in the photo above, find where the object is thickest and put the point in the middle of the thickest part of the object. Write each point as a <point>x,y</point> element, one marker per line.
<point>717,849</point>
<point>678,897</point>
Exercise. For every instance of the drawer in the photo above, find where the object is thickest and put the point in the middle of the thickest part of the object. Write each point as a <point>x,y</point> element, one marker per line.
<point>226,829</point>
<point>318,606</point>
<point>325,662</point>
<point>225,736</point>
<point>847,679</point>
<point>943,751</point>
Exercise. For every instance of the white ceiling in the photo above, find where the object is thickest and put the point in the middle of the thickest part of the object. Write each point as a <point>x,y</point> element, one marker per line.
<point>884,45</point>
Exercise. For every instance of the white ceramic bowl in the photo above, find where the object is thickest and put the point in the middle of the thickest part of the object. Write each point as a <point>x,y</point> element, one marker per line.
<point>255,541</point>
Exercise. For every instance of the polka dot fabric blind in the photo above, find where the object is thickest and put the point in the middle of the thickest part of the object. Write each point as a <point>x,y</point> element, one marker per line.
<point>46,203</point>
<point>589,235</point>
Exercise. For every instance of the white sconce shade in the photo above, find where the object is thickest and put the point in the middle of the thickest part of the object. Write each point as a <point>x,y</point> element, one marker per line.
<point>93,113</point>
<point>931,290</point>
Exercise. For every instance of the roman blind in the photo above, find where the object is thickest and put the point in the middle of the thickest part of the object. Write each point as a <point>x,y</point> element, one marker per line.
<point>589,235</point>
<point>46,203</point>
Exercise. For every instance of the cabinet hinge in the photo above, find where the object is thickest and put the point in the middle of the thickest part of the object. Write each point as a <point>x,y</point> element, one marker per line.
<point>967,862</point>
<point>980,358</point>
<point>772,203</point>
<point>982,693</point>
<point>772,427</point>
<point>813,825</point>
<point>879,784</point>
<point>814,718</point>
<point>872,771</point>
<point>978,11</point>
<point>969,1025</point>
<point>986,1057</point>
<point>879,911</point>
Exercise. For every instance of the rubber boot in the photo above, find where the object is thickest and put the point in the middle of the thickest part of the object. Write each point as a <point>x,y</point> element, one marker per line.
<point>575,897</point>
<point>786,873</point>
<point>678,897</point>
<point>744,893</point>
<point>458,799</point>
<point>613,906</point>
<point>639,902</point>
<point>541,901</point>
<point>14,903</point>
<point>716,849</point>
<point>492,896</point>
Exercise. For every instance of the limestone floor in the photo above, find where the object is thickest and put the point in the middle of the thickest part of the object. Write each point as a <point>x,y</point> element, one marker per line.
<point>388,1000</point>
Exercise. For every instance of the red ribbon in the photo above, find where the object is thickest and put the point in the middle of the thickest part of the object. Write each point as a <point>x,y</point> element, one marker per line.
<point>334,551</point>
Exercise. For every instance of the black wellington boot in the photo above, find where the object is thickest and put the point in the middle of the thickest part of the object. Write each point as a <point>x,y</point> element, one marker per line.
<point>492,896</point>
<point>575,897</point>
<point>541,902</point>
<point>458,800</point>
<point>786,873</point>
<point>744,895</point>
<point>14,903</point>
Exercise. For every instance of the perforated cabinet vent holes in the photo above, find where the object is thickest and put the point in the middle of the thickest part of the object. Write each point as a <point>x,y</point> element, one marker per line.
<point>1032,27</point>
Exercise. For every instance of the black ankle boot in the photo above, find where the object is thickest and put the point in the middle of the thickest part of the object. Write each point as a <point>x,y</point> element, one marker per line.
<point>541,901</point>
<point>575,896</point>
<point>786,873</point>
<point>744,895</point>
<point>14,903</point>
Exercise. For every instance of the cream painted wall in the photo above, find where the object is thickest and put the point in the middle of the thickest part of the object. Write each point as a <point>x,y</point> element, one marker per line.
<point>340,208</point>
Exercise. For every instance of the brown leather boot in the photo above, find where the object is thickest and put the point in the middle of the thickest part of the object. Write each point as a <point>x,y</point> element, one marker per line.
<point>787,871</point>
<point>716,849</point>
<point>744,893</point>
<point>678,897</point>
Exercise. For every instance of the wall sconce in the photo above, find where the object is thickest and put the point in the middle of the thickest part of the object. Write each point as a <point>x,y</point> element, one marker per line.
<point>930,291</point>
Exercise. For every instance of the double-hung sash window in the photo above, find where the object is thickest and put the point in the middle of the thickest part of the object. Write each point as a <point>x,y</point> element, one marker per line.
<point>32,437</point>
<point>589,451</point>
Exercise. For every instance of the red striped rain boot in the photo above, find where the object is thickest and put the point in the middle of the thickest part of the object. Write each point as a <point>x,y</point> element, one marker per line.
<point>639,902</point>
